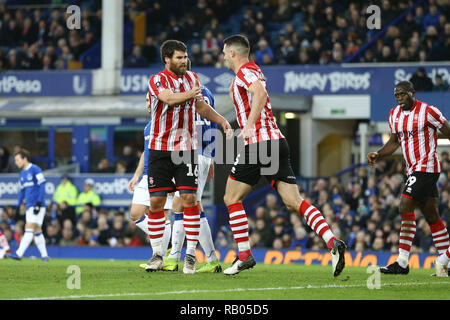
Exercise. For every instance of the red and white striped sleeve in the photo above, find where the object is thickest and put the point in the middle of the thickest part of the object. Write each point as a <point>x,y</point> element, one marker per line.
<point>434,117</point>
<point>246,78</point>
<point>157,84</point>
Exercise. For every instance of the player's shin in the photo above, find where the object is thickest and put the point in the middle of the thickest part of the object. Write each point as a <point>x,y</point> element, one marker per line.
<point>156,227</point>
<point>191,222</point>
<point>407,233</point>
<point>205,239</point>
<point>25,242</point>
<point>315,220</point>
<point>177,236</point>
<point>239,228</point>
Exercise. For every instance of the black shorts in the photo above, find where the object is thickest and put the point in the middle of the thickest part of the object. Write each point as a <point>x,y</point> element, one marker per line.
<point>420,186</point>
<point>164,166</point>
<point>270,159</point>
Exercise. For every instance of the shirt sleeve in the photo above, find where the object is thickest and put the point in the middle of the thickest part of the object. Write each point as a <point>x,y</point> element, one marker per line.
<point>245,78</point>
<point>157,84</point>
<point>435,118</point>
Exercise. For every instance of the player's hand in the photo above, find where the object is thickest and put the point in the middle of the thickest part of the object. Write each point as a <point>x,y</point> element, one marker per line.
<point>37,208</point>
<point>210,173</point>
<point>372,158</point>
<point>227,129</point>
<point>247,132</point>
<point>196,93</point>
<point>132,183</point>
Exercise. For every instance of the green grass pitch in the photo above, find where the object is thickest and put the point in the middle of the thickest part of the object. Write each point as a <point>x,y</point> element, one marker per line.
<point>119,279</point>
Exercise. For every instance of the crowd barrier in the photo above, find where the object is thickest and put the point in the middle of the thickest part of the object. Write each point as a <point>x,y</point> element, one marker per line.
<point>265,256</point>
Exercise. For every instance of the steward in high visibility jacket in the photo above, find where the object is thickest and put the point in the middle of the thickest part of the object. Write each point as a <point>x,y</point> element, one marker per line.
<point>88,196</point>
<point>66,191</point>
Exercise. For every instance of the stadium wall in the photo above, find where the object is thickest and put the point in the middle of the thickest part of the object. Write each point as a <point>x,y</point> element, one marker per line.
<point>265,256</point>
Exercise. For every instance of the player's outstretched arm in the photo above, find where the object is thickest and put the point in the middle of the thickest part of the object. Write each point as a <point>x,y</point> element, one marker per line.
<point>389,148</point>
<point>139,171</point>
<point>208,112</point>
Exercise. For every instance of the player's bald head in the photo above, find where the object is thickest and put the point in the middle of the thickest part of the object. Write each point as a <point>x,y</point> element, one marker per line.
<point>239,44</point>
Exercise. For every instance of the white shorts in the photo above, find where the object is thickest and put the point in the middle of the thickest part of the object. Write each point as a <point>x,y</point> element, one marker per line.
<point>142,196</point>
<point>203,168</point>
<point>38,219</point>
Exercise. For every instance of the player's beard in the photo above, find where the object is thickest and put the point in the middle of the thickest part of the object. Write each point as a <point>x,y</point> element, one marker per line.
<point>180,70</point>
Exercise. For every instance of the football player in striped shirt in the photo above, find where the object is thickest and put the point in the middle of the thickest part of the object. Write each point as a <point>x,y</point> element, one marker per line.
<point>141,197</point>
<point>266,153</point>
<point>32,190</point>
<point>175,98</point>
<point>414,127</point>
<point>206,154</point>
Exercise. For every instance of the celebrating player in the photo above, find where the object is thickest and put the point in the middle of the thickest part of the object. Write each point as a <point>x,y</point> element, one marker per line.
<point>206,153</point>
<point>141,198</point>
<point>32,189</point>
<point>175,97</point>
<point>414,125</point>
<point>260,132</point>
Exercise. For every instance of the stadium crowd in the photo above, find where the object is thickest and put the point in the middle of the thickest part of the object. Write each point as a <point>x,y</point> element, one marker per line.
<point>281,32</point>
<point>364,213</point>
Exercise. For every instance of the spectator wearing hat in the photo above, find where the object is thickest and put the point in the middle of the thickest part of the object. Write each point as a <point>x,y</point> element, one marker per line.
<point>66,191</point>
<point>87,196</point>
<point>421,81</point>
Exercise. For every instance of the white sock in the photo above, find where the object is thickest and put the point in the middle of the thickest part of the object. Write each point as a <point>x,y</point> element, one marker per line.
<point>39,240</point>
<point>190,247</point>
<point>166,237</point>
<point>177,236</point>
<point>403,258</point>
<point>25,242</point>
<point>206,241</point>
<point>142,223</point>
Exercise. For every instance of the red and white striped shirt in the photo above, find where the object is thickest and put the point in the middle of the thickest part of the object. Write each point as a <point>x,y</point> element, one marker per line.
<point>416,130</point>
<point>173,127</point>
<point>265,125</point>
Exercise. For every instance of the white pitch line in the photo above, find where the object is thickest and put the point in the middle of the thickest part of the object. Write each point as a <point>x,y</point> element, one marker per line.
<point>231,290</point>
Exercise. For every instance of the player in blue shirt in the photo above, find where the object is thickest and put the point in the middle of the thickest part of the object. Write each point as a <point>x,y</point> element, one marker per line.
<point>205,167</point>
<point>32,190</point>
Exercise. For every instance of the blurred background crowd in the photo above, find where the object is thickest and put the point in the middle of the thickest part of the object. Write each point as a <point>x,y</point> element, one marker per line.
<point>319,32</point>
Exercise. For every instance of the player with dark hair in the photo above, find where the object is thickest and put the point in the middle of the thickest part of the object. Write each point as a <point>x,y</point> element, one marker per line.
<point>175,97</point>
<point>414,127</point>
<point>260,133</point>
<point>141,198</point>
<point>32,190</point>
<point>206,154</point>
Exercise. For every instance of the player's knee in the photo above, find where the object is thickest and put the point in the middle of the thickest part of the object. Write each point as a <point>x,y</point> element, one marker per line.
<point>157,203</point>
<point>189,199</point>
<point>136,213</point>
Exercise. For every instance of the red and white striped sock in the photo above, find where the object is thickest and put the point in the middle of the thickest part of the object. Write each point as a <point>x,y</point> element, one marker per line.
<point>191,222</point>
<point>239,227</point>
<point>407,233</point>
<point>156,227</point>
<point>440,236</point>
<point>315,220</point>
